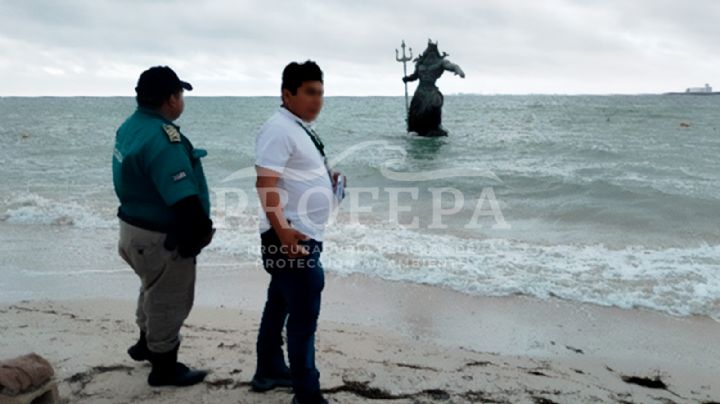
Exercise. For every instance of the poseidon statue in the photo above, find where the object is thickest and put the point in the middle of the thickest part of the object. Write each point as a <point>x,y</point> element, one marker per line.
<point>425,113</point>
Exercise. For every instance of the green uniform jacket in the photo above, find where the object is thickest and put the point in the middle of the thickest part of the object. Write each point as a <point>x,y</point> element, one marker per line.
<point>154,166</point>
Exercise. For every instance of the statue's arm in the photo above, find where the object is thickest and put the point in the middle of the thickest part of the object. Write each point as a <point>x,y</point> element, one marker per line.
<point>411,77</point>
<point>452,67</point>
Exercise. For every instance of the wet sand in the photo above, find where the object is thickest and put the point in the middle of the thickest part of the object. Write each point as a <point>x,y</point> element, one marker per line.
<point>397,342</point>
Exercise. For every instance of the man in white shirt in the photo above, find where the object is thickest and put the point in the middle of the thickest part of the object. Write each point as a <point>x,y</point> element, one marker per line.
<point>295,187</point>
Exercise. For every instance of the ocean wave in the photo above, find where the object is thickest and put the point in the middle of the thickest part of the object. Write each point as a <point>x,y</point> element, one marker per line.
<point>678,281</point>
<point>33,209</point>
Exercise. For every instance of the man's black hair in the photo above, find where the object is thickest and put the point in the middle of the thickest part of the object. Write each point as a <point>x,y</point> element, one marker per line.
<point>295,74</point>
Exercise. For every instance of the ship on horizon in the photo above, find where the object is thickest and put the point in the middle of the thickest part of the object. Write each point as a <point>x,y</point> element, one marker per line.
<point>706,90</point>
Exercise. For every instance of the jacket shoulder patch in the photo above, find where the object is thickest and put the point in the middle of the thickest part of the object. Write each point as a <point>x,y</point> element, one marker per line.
<point>172,133</point>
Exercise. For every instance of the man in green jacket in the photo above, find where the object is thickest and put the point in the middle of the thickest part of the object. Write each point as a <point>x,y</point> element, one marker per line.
<point>164,220</point>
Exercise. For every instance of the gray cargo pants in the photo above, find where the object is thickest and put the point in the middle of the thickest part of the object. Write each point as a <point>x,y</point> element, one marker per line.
<point>167,288</point>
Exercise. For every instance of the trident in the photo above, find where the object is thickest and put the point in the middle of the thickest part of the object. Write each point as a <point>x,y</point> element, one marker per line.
<point>404,59</point>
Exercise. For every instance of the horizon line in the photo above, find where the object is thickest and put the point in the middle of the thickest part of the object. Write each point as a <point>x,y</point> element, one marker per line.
<point>348,96</point>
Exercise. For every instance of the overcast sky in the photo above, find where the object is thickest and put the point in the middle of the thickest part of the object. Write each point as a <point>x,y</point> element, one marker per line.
<point>235,47</point>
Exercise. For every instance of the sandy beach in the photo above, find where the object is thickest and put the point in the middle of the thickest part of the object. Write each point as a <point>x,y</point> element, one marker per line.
<point>530,210</point>
<point>394,342</point>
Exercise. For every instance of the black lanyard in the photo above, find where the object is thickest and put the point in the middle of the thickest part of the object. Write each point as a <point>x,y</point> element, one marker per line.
<point>315,139</point>
<point>319,146</point>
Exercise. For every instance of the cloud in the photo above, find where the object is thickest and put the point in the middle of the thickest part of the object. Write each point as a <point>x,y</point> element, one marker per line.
<point>240,47</point>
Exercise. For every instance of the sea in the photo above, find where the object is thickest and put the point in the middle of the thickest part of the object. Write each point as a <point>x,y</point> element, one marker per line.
<point>609,200</point>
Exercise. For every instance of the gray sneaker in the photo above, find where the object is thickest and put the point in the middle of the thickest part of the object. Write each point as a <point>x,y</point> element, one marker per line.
<point>262,383</point>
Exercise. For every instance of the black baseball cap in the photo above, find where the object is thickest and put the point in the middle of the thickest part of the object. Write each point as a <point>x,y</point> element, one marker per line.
<point>158,83</point>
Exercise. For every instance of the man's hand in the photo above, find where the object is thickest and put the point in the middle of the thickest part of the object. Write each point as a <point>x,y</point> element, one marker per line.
<point>338,190</point>
<point>205,241</point>
<point>193,228</point>
<point>290,239</point>
<point>187,250</point>
<point>335,176</point>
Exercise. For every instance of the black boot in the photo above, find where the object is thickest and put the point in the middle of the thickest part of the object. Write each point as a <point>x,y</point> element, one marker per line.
<point>140,351</point>
<point>167,371</point>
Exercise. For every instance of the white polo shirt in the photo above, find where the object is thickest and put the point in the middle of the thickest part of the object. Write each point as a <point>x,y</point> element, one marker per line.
<point>306,195</point>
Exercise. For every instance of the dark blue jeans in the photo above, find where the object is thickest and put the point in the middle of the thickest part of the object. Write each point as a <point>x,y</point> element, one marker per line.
<point>294,294</point>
